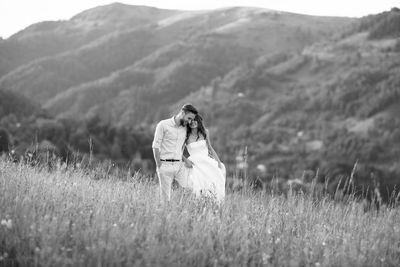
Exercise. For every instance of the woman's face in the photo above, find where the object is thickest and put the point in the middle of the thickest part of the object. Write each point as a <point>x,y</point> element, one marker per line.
<point>193,124</point>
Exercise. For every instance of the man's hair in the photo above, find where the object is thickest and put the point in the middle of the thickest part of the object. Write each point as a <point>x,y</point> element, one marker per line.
<point>189,108</point>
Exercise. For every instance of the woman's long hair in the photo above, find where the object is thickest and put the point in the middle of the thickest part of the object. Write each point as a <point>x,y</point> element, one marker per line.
<point>201,130</point>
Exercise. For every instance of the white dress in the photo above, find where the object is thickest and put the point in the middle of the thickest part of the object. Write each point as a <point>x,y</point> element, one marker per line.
<point>205,178</point>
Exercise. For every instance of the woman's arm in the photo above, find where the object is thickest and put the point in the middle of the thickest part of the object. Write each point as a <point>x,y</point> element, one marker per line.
<point>211,149</point>
<point>188,162</point>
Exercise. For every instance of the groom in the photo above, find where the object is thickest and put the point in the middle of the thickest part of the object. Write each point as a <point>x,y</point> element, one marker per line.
<point>168,144</point>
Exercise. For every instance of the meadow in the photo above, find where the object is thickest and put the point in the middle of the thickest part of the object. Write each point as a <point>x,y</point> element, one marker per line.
<point>70,217</point>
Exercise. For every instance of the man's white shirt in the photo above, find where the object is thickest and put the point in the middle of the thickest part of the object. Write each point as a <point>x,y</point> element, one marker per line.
<point>169,138</point>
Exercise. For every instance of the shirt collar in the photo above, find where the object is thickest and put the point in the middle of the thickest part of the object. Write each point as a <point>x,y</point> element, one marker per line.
<point>173,122</point>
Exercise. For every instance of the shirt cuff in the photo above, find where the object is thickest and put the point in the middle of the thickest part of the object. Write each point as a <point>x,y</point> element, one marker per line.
<point>155,145</point>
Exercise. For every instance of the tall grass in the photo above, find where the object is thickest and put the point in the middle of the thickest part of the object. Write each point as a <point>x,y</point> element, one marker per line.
<point>67,218</point>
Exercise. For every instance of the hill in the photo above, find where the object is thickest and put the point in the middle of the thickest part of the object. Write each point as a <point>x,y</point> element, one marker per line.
<point>19,105</point>
<point>49,38</point>
<point>174,71</point>
<point>331,105</point>
<point>45,78</point>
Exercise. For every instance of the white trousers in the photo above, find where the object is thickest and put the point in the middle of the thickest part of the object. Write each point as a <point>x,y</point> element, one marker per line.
<point>167,173</point>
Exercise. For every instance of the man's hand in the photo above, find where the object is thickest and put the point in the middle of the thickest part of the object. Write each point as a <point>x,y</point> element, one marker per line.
<point>188,163</point>
<point>156,153</point>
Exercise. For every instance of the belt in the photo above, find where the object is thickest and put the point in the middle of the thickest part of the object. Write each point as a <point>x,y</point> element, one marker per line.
<point>171,160</point>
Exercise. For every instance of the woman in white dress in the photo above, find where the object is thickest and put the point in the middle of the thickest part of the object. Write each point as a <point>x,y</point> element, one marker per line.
<point>208,174</point>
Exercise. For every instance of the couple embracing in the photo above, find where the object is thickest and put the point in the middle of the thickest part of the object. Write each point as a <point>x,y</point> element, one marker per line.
<point>200,173</point>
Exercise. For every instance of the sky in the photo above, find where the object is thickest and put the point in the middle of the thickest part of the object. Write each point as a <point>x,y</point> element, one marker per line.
<point>15,15</point>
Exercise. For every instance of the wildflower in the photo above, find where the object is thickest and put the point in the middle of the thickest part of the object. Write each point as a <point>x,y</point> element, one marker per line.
<point>115,225</point>
<point>6,223</point>
<point>265,258</point>
<point>4,256</point>
<point>37,250</point>
<point>317,264</point>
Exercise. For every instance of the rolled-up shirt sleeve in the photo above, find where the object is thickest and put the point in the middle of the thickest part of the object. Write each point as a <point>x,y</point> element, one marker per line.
<point>158,136</point>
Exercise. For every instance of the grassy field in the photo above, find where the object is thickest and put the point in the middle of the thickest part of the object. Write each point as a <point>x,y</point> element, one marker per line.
<point>68,218</point>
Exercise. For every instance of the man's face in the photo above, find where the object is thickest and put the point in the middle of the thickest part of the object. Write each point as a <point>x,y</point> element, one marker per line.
<point>187,118</point>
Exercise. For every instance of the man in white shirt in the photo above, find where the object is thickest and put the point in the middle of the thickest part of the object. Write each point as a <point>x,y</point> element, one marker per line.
<point>168,144</point>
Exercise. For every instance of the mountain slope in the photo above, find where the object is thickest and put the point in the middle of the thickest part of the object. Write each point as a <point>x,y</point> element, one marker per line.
<point>255,29</point>
<point>229,37</point>
<point>189,67</point>
<point>50,38</point>
<point>328,107</point>
<point>20,106</point>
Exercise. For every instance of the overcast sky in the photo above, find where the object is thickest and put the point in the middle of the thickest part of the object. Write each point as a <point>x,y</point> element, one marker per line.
<point>18,14</point>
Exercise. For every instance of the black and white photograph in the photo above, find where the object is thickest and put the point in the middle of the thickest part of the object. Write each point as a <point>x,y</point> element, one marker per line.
<point>199,133</point>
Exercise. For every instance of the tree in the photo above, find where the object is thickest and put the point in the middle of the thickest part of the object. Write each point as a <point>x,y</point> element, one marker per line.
<point>115,152</point>
<point>4,140</point>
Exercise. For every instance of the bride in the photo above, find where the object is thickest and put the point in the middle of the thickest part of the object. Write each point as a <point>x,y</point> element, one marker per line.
<point>207,176</point>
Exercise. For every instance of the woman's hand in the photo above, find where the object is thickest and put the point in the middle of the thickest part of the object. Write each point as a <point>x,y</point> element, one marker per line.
<point>188,163</point>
